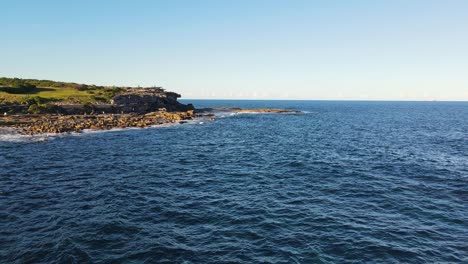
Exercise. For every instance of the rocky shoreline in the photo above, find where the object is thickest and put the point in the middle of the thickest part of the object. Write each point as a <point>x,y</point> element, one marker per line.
<point>28,124</point>
<point>32,124</point>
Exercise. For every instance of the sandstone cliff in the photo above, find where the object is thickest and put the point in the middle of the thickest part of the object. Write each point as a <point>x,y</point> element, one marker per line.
<point>144,100</point>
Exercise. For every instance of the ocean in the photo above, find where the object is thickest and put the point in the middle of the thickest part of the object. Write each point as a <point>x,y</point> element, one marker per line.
<point>345,182</point>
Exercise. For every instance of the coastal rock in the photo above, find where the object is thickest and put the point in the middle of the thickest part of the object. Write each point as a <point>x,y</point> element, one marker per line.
<point>206,111</point>
<point>39,124</point>
<point>143,100</point>
<point>54,123</point>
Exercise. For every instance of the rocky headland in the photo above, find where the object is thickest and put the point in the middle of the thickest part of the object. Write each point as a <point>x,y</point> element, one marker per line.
<point>106,108</point>
<point>132,107</point>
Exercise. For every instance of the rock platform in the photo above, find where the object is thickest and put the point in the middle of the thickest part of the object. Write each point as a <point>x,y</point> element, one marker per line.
<point>48,123</point>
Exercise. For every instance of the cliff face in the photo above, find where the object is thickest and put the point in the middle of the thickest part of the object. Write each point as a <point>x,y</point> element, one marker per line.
<point>143,100</point>
<point>115,100</point>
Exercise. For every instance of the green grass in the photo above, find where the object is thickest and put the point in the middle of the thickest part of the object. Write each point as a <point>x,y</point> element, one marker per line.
<point>64,94</point>
<point>5,97</point>
<point>17,91</point>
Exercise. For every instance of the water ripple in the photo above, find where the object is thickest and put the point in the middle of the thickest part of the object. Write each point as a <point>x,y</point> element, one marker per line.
<point>351,182</point>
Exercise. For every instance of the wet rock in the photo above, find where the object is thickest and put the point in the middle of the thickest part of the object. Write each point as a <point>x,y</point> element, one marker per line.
<point>38,124</point>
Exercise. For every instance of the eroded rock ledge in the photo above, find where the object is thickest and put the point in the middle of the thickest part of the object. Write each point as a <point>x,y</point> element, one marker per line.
<point>47,123</point>
<point>31,124</point>
<point>248,110</point>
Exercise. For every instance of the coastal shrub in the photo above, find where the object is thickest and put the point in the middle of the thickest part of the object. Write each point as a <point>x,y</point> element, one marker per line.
<point>101,99</point>
<point>82,87</point>
<point>95,87</point>
<point>44,109</point>
<point>19,87</point>
<point>51,108</point>
<point>33,109</point>
<point>33,100</point>
<point>107,94</point>
<point>88,107</point>
<point>98,98</point>
<point>116,90</point>
<point>9,82</point>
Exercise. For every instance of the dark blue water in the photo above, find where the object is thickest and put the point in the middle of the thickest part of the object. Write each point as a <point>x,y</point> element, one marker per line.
<point>345,182</point>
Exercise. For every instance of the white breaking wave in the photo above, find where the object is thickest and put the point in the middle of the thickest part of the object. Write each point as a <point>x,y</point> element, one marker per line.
<point>13,135</point>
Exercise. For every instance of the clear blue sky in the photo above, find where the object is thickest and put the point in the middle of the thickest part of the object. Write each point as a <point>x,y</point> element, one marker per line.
<point>349,49</point>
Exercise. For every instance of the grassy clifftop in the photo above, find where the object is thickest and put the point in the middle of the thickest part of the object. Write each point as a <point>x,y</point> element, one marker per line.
<point>19,91</point>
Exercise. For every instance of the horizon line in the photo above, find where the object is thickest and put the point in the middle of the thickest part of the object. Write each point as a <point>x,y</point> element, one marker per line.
<point>344,100</point>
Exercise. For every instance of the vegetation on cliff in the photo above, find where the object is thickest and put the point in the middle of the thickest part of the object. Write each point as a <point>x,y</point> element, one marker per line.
<point>19,91</point>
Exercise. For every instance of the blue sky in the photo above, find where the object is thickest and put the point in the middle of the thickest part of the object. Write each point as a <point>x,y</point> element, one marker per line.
<point>345,50</point>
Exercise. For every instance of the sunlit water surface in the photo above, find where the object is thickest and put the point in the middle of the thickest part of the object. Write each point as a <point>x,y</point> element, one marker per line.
<point>343,182</point>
